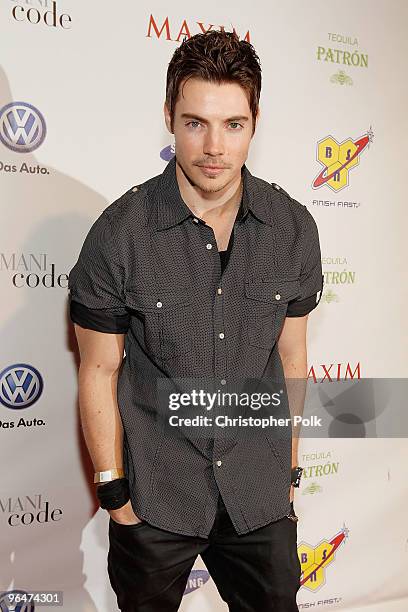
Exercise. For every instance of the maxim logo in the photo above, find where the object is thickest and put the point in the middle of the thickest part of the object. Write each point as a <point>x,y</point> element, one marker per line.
<point>178,32</point>
<point>334,372</point>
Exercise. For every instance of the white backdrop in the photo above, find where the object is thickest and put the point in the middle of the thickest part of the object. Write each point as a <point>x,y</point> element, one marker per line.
<point>86,96</point>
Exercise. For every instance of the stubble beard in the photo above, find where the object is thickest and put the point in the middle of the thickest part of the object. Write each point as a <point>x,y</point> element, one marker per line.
<point>205,188</point>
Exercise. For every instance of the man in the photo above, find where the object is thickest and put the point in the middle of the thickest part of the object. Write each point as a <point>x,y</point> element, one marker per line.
<point>204,273</point>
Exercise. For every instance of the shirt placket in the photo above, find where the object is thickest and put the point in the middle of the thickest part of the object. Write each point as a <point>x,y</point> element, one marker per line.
<point>220,372</point>
<point>220,351</point>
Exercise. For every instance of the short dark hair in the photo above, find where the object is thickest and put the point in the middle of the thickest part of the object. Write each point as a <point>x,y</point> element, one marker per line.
<point>216,56</point>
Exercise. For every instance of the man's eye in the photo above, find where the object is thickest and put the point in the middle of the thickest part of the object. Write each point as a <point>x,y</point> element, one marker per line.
<point>235,125</point>
<point>193,124</point>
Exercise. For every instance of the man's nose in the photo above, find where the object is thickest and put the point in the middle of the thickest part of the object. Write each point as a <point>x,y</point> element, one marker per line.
<point>213,143</point>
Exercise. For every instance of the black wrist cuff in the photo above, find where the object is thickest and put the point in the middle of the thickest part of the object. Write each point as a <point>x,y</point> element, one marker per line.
<point>113,495</point>
<point>296,474</point>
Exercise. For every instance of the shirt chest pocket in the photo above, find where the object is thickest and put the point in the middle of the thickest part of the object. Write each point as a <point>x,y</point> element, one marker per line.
<point>167,320</point>
<point>267,302</point>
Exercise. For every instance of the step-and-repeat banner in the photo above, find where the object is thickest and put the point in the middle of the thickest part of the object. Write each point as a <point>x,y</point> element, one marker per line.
<point>82,88</point>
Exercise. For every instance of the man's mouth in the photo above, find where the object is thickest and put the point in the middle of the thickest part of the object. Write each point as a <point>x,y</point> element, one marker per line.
<point>212,170</point>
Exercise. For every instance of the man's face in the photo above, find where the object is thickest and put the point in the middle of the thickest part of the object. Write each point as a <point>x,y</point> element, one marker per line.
<point>212,129</point>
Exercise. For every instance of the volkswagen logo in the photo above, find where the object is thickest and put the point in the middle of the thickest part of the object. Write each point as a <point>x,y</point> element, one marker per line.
<point>22,127</point>
<point>20,386</point>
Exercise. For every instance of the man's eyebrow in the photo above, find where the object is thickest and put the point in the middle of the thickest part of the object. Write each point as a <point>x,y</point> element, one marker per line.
<point>229,120</point>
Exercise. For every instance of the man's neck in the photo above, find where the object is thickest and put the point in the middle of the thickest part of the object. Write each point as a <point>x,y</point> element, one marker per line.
<point>215,204</point>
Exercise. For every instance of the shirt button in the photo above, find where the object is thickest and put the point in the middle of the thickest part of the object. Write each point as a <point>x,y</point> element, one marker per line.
<point>221,335</point>
<point>159,304</point>
<point>219,290</point>
<point>195,220</point>
<point>209,246</point>
<point>277,296</point>
<point>223,381</point>
<point>219,462</point>
<point>135,189</point>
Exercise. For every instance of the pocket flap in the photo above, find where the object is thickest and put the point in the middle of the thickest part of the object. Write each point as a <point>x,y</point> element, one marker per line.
<point>276,291</point>
<point>160,300</point>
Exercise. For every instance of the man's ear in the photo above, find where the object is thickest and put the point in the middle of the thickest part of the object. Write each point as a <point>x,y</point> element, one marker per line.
<point>167,118</point>
<point>257,116</point>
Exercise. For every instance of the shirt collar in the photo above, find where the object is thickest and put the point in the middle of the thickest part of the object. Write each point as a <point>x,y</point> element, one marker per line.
<point>171,208</point>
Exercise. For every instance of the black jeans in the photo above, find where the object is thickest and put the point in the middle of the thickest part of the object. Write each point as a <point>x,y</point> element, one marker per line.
<point>259,571</point>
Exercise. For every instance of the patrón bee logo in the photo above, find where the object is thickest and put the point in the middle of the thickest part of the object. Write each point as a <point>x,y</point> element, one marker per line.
<point>341,78</point>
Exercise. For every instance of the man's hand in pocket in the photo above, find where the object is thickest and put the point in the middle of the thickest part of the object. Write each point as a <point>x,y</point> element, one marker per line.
<point>125,515</point>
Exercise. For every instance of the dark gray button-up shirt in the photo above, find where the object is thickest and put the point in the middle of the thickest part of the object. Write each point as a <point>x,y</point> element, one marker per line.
<point>148,265</point>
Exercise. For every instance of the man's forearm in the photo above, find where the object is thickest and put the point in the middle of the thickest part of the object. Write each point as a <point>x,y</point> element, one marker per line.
<point>295,371</point>
<point>100,417</point>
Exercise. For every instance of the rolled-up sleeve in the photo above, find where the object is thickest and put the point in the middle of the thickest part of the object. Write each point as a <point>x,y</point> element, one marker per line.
<point>96,282</point>
<point>311,277</point>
